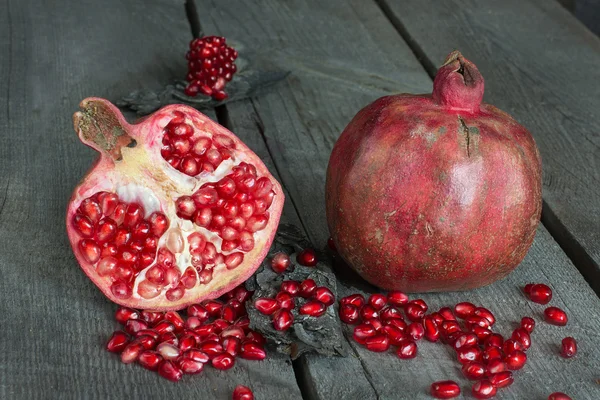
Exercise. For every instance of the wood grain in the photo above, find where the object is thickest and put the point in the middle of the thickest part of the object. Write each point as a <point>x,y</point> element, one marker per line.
<point>540,65</point>
<point>342,57</point>
<point>55,322</point>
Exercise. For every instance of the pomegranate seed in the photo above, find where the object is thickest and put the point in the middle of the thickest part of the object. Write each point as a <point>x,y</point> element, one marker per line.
<point>558,396</point>
<point>437,318</point>
<point>164,327</point>
<point>555,316</point>
<point>196,310</point>
<point>266,306</point>
<point>420,302</point>
<point>395,335</point>
<point>494,366</point>
<point>357,300</point>
<point>407,349</point>
<point>174,318</point>
<point>213,307</point>
<point>464,309</point>
<point>285,301</point>
<point>445,390</point>
<point>494,340</point>
<point>397,323</point>
<point>415,330</point>
<point>280,262</point>
<point>170,371</point>
<point>485,313</point>
<point>196,355</point>
<point>117,342</point>
<point>148,332</point>
<point>502,379</point>
<point>469,353</point>
<point>124,314</point>
<point>189,366</point>
<point>528,324</point>
<point>481,333</point>
<point>147,341</point>
<point>377,301</point>
<point>483,389</point>
<point>252,351</point>
<point>397,298</point>
<point>464,340</point>
<point>511,345</point>
<point>256,337</point>
<point>521,336</point>
<point>492,353</point>
<point>324,295</point>
<point>307,257</point>
<point>150,360</point>
<point>307,288</point>
<point>568,347</point>
<point>223,361</point>
<point>527,288</point>
<point>362,332</point>
<point>187,342</point>
<point>414,311</point>
<point>313,308</point>
<point>447,314</point>
<point>450,327</point>
<point>291,287</point>
<point>475,320</point>
<point>474,370</point>
<point>432,332</point>
<point>282,320</point>
<point>133,325</point>
<point>349,314</point>
<point>390,313</point>
<point>368,312</point>
<point>233,331</point>
<point>168,351</point>
<point>515,360</point>
<point>211,348</point>
<point>540,293</point>
<point>242,393</point>
<point>231,345</point>
<point>229,313</point>
<point>152,317</point>
<point>131,352</point>
<point>377,343</point>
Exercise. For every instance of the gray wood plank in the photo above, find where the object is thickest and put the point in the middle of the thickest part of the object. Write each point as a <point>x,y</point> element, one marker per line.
<point>55,321</point>
<point>343,54</point>
<point>540,65</point>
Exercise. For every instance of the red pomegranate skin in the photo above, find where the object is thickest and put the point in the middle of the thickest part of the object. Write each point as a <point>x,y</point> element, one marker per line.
<point>434,192</point>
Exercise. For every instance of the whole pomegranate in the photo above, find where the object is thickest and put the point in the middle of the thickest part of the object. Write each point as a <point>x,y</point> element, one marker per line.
<point>175,210</point>
<point>434,192</point>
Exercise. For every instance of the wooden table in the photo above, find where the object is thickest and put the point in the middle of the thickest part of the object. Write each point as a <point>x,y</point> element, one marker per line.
<point>540,64</point>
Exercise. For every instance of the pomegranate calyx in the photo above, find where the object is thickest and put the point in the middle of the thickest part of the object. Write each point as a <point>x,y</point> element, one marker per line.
<point>458,84</point>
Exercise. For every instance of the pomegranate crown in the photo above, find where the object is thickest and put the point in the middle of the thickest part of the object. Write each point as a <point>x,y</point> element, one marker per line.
<point>458,84</point>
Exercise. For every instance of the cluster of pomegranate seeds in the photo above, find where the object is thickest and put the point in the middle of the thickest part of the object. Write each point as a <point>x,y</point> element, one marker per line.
<point>211,64</point>
<point>318,300</point>
<point>242,392</point>
<point>486,357</point>
<point>118,240</point>
<point>215,332</point>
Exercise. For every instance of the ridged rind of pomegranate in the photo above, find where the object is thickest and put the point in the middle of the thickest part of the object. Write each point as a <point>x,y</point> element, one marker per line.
<point>132,166</point>
<point>434,192</point>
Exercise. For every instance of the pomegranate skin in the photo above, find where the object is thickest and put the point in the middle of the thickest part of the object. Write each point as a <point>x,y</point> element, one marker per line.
<point>436,192</point>
<point>130,156</point>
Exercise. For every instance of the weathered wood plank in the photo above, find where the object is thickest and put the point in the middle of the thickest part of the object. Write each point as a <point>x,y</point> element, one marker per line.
<point>540,65</point>
<point>55,321</point>
<point>342,57</point>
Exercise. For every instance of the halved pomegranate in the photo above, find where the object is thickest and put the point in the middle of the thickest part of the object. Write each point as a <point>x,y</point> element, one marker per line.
<point>177,209</point>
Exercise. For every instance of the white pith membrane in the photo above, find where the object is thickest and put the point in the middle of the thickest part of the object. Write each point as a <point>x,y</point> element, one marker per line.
<point>144,177</point>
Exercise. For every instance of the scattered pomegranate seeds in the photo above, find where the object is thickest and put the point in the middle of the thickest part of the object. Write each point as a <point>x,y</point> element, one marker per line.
<point>242,392</point>
<point>445,390</point>
<point>539,293</point>
<point>211,64</point>
<point>307,257</point>
<point>280,262</point>
<point>555,316</point>
<point>568,347</point>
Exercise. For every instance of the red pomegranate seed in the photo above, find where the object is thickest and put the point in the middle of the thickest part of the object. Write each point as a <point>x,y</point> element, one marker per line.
<point>481,333</point>
<point>568,347</point>
<point>242,392</point>
<point>170,371</point>
<point>485,313</point>
<point>494,366</point>
<point>189,366</point>
<point>397,298</point>
<point>450,327</point>
<point>252,351</point>
<point>174,318</point>
<point>511,345</point>
<point>168,351</point>
<point>432,332</point>
<point>223,361</point>
<point>540,293</point>
<point>313,308</point>
<point>464,309</point>
<point>117,342</point>
<point>464,340</point>
<point>397,323</point>
<point>483,389</point>
<point>420,302</point>
<point>415,330</point>
<point>164,327</point>
<point>266,306</point>
<point>349,314</point>
<point>211,348</point>
<point>187,342</point>
<point>555,316</point>
<point>196,310</point>
<point>280,262</point>
<point>414,311</point>
<point>474,370</point>
<point>307,288</point>
<point>375,323</point>
<point>521,336</point>
<point>291,287</point>
<point>256,337</point>
<point>437,318</point>
<point>558,396</point>
<point>324,295</point>
<point>152,317</point>
<point>150,360</point>
<point>134,325</point>
<point>124,314</point>
<point>285,301</point>
<point>395,335</point>
<point>307,257</point>
<point>169,337</point>
<point>357,300</point>
<point>196,355</point>
<point>362,332</point>
<point>445,390</point>
<point>469,353</point>
<point>502,379</point>
<point>377,343</point>
<point>407,349</point>
<point>147,341</point>
<point>282,320</point>
<point>213,307</point>
<point>368,312</point>
<point>390,313</point>
<point>447,314</point>
<point>492,353</point>
<point>377,301</point>
<point>475,320</point>
<point>528,324</point>
<point>131,353</point>
<point>515,360</point>
<point>494,339</point>
<point>231,345</point>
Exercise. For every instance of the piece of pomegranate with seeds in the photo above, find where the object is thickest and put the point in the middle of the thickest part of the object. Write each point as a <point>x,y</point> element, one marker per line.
<point>399,150</point>
<point>153,233</point>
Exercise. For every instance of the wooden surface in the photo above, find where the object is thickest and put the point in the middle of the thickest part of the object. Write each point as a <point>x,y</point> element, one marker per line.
<point>343,54</point>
